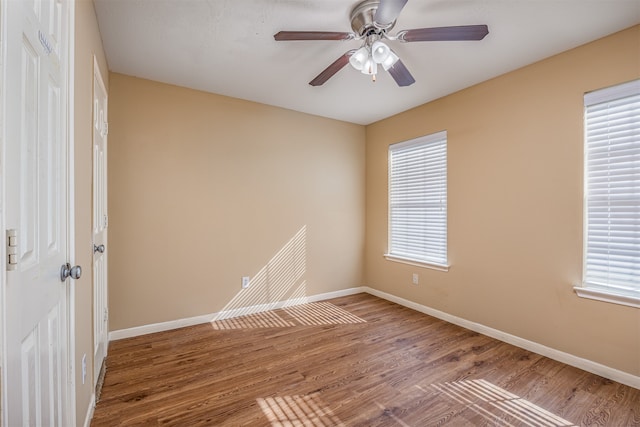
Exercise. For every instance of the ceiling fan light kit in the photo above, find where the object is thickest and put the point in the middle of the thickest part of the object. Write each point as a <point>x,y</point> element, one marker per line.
<point>367,58</point>
<point>371,20</point>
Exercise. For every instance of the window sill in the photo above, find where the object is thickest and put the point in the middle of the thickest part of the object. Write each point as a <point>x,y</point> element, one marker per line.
<point>433,266</point>
<point>607,296</point>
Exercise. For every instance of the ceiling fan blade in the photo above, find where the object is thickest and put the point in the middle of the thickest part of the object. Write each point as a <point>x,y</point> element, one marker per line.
<point>328,72</point>
<point>312,35</point>
<point>388,11</point>
<point>463,32</point>
<point>401,74</point>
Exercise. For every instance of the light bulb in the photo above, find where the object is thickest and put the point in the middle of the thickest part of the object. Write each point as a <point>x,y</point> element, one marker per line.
<point>369,67</point>
<point>359,57</point>
<point>390,60</point>
<point>379,51</point>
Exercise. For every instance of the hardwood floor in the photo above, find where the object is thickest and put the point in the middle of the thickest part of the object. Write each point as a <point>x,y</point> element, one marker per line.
<point>351,361</point>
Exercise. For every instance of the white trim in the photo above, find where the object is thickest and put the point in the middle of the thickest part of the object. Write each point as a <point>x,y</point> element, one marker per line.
<point>601,295</point>
<point>71,229</point>
<point>227,314</point>
<point>92,407</point>
<point>159,327</point>
<point>3,62</point>
<point>424,264</point>
<point>569,359</point>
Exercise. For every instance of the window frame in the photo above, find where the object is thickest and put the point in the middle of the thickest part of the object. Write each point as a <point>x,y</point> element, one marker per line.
<point>606,292</point>
<point>426,262</point>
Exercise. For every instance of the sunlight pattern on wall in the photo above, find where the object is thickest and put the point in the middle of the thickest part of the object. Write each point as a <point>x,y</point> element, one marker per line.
<point>311,314</point>
<point>283,272</point>
<point>280,279</point>
<point>287,411</point>
<point>498,405</point>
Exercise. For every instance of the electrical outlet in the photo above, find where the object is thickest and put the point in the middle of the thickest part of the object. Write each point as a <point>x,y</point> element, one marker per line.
<point>84,368</point>
<point>415,279</point>
<point>245,282</point>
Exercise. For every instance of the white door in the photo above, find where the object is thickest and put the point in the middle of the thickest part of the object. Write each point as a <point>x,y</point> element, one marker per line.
<point>36,376</point>
<point>100,222</point>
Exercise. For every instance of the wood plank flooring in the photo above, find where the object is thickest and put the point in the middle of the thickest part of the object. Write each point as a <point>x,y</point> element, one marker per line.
<point>351,361</point>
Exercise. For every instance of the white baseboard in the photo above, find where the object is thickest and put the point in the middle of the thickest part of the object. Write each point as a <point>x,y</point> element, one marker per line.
<point>227,314</point>
<point>560,356</point>
<point>90,410</point>
<point>569,359</point>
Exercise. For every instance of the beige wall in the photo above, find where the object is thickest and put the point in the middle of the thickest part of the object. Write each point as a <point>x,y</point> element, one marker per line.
<point>204,189</point>
<point>88,44</point>
<point>515,171</point>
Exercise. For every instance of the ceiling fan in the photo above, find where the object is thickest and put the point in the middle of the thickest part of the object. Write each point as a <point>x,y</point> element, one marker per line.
<point>371,20</point>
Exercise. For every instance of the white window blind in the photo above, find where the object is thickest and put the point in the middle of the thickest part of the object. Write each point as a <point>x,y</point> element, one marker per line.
<point>418,200</point>
<point>612,190</point>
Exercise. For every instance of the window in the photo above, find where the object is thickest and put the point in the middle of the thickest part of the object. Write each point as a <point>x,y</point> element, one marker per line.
<point>612,195</point>
<point>418,201</point>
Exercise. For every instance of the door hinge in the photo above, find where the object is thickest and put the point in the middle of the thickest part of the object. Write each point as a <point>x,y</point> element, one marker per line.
<point>106,314</point>
<point>12,250</point>
<point>105,128</point>
<point>106,221</point>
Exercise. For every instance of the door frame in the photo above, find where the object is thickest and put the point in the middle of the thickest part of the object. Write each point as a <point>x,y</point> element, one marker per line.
<point>71,247</point>
<point>71,217</point>
<point>3,254</point>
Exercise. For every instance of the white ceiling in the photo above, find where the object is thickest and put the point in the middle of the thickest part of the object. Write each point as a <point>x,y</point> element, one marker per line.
<point>227,47</point>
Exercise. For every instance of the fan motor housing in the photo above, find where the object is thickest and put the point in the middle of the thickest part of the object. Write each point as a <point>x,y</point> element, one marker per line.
<point>362,18</point>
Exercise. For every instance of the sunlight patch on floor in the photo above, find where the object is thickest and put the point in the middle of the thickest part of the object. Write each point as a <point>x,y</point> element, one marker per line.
<point>266,319</point>
<point>311,314</point>
<point>498,405</point>
<point>309,410</point>
<point>322,313</point>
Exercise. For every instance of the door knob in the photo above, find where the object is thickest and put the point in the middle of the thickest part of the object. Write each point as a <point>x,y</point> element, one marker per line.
<point>98,248</point>
<point>75,272</point>
<point>67,271</point>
